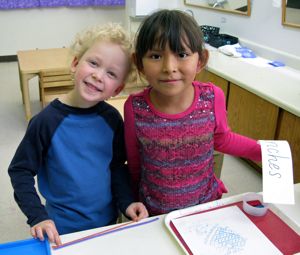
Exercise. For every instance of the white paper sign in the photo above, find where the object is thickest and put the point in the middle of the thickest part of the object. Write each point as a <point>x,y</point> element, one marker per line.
<point>277,168</point>
<point>224,231</point>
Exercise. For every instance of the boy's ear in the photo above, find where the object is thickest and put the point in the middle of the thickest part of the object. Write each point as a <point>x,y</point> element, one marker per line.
<point>74,64</point>
<point>202,60</point>
<point>118,90</point>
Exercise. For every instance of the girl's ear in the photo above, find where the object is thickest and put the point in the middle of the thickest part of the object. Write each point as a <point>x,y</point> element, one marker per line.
<point>134,60</point>
<point>202,60</point>
<point>133,57</point>
<point>74,64</point>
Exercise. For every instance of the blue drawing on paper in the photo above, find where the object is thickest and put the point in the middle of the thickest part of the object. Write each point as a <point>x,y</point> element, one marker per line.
<point>225,238</point>
<point>222,238</point>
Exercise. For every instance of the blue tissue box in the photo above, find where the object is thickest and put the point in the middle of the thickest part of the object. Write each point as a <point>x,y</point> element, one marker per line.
<point>24,247</point>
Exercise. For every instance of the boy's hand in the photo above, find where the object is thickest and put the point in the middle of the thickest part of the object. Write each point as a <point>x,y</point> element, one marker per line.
<point>47,227</point>
<point>136,211</point>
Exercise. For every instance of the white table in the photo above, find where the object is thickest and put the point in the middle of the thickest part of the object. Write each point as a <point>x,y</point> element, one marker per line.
<point>154,238</point>
<point>31,62</point>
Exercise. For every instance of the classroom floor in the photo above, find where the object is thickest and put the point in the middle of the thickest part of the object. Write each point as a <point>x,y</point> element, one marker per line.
<point>238,176</point>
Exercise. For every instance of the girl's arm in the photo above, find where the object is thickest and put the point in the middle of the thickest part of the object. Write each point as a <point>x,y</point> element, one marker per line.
<point>132,148</point>
<point>227,141</point>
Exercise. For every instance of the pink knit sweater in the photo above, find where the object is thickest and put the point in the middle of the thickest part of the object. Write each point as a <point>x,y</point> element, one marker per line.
<point>170,157</point>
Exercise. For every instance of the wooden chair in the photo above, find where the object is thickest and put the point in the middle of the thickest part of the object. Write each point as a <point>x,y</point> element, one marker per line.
<point>218,163</point>
<point>54,83</point>
<point>118,103</point>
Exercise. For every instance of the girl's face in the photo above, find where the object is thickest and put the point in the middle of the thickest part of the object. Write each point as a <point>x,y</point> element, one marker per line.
<point>170,73</point>
<point>99,74</point>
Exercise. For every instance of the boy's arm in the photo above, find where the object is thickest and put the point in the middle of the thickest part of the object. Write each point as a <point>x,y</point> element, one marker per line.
<point>124,197</point>
<point>121,190</point>
<point>46,227</point>
<point>22,170</point>
<point>227,141</point>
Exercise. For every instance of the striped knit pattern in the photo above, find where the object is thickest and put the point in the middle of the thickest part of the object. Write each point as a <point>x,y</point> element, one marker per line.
<point>176,155</point>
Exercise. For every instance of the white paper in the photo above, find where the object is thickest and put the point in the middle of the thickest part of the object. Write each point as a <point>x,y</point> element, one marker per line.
<point>258,61</point>
<point>277,168</point>
<point>276,3</point>
<point>222,232</point>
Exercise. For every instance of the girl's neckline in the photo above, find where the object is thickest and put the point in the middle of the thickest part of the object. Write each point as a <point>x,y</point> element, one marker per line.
<point>170,115</point>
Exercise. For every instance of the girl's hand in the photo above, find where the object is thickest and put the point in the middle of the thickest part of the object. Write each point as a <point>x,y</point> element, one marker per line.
<point>46,227</point>
<point>136,211</point>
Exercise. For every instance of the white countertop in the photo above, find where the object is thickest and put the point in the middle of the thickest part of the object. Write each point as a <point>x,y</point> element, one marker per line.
<point>278,85</point>
<point>152,239</point>
<point>155,238</point>
<point>290,213</point>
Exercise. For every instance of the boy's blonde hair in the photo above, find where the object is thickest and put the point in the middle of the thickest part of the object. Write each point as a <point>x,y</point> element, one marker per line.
<point>111,32</point>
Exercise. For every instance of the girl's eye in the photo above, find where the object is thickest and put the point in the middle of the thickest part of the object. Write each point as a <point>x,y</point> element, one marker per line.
<point>154,56</point>
<point>183,54</point>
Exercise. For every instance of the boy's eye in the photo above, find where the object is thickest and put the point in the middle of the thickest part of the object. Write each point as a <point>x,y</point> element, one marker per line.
<point>112,74</point>
<point>93,63</point>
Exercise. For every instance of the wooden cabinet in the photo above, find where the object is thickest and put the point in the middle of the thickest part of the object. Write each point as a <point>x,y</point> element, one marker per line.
<point>289,129</point>
<point>254,117</point>
<point>207,76</point>
<point>251,115</point>
<point>248,114</point>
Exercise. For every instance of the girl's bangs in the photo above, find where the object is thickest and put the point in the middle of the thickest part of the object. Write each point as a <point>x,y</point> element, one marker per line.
<point>174,38</point>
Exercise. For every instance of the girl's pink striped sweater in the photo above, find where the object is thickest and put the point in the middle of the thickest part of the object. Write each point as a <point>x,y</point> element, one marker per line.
<point>170,157</point>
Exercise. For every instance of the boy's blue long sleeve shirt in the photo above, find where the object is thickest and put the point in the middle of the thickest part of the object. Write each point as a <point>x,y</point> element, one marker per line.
<point>78,156</point>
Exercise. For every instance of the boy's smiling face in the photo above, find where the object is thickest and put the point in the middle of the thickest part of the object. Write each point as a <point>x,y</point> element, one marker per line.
<point>100,73</point>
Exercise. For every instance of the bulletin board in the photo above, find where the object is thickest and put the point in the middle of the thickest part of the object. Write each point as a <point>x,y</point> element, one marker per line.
<point>23,4</point>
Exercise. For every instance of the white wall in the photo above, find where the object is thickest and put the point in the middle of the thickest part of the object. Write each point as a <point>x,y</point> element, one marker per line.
<point>132,24</point>
<point>262,30</point>
<point>45,28</point>
<point>49,27</point>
